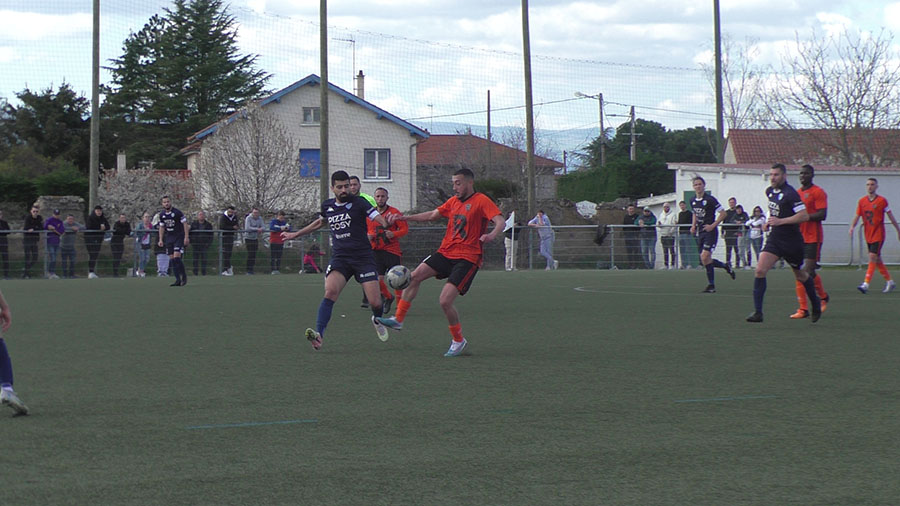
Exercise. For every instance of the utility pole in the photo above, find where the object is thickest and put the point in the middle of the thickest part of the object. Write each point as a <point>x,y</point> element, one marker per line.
<point>489,147</point>
<point>720,121</point>
<point>323,101</point>
<point>602,133</point>
<point>94,158</point>
<point>633,144</point>
<point>529,108</point>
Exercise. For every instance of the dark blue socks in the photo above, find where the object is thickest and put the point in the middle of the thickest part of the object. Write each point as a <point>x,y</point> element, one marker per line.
<point>6,373</point>
<point>759,289</point>
<point>810,286</point>
<point>324,315</point>
<point>710,274</point>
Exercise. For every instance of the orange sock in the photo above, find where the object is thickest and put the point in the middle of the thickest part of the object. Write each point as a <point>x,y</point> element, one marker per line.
<point>398,294</point>
<point>402,308</point>
<point>801,296</point>
<point>884,272</point>
<point>820,290</point>
<point>869,272</point>
<point>384,289</point>
<point>456,332</point>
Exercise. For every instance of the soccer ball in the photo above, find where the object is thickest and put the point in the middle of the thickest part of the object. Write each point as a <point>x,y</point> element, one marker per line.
<point>397,277</point>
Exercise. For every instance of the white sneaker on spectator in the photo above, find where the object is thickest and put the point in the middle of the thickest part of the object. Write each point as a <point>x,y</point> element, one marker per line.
<point>92,276</point>
<point>889,287</point>
<point>52,276</point>
<point>555,264</point>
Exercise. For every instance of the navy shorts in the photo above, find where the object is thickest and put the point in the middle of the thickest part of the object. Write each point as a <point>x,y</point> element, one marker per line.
<point>176,246</point>
<point>790,250</point>
<point>384,260</point>
<point>361,267</point>
<point>457,272</point>
<point>707,240</point>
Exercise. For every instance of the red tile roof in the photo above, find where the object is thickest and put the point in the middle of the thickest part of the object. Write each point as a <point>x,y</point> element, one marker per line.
<point>469,150</point>
<point>879,147</point>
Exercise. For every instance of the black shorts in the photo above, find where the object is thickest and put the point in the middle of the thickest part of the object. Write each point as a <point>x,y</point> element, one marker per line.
<point>176,246</point>
<point>875,247</point>
<point>790,250</point>
<point>707,240</point>
<point>457,272</point>
<point>812,250</point>
<point>362,268</point>
<point>384,260</point>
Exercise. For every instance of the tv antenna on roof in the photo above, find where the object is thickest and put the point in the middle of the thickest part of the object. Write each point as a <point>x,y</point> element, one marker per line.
<point>353,70</point>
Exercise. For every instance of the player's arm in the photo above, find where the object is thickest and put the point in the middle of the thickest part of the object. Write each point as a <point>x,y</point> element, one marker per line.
<point>693,223</point>
<point>187,232</point>
<point>312,227</point>
<point>432,215</point>
<point>499,225</point>
<point>161,232</point>
<point>719,219</point>
<point>798,217</point>
<point>821,203</point>
<point>855,220</point>
<point>5,314</point>
<point>890,215</point>
<point>401,228</point>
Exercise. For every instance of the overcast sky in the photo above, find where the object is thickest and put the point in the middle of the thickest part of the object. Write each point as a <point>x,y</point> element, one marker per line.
<point>46,42</point>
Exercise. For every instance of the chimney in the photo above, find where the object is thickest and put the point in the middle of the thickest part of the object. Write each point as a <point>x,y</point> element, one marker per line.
<point>120,161</point>
<point>361,85</point>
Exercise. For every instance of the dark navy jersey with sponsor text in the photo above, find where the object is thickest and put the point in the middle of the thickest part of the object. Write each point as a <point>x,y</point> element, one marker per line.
<point>784,202</point>
<point>347,221</point>
<point>706,209</point>
<point>173,222</point>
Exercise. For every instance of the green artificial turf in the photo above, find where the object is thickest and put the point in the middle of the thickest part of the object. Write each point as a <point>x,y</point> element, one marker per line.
<point>579,387</point>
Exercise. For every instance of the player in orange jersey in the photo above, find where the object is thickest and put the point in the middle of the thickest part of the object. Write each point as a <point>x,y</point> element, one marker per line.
<point>386,245</point>
<point>816,202</point>
<point>459,256</point>
<point>872,209</point>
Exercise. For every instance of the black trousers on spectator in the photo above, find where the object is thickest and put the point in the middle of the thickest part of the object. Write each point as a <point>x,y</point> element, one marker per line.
<point>277,251</point>
<point>4,257</point>
<point>227,248</point>
<point>31,253</point>
<point>252,246</point>
<point>117,249</point>
<point>93,249</point>
<point>200,260</point>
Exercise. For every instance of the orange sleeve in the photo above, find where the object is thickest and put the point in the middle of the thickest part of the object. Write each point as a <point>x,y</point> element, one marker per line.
<point>400,228</point>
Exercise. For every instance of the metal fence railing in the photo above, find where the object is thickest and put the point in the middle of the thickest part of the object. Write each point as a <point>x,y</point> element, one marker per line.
<point>574,247</point>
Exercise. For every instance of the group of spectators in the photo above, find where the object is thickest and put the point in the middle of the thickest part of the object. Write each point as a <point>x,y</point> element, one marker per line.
<point>743,234</point>
<point>61,234</point>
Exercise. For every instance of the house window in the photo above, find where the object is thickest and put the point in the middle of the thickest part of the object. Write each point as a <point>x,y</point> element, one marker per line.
<point>311,116</point>
<point>377,164</point>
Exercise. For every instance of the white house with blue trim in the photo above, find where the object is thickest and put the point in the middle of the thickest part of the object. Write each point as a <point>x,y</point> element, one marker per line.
<point>364,140</point>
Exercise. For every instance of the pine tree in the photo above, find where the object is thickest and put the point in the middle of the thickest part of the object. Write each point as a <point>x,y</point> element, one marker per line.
<point>179,73</point>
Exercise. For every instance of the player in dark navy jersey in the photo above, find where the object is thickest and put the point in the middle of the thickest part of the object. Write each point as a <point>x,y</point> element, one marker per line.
<point>708,213</point>
<point>786,213</point>
<point>173,235</point>
<point>352,254</point>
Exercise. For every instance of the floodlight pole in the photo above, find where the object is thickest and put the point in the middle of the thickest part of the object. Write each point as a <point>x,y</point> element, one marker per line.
<point>720,121</point>
<point>94,158</point>
<point>529,108</point>
<point>324,187</point>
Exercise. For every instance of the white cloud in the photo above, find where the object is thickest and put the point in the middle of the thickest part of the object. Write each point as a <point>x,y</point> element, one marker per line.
<point>892,16</point>
<point>833,24</point>
<point>31,26</point>
<point>8,54</point>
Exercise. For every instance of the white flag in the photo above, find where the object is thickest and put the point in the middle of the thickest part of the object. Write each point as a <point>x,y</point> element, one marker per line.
<point>511,221</point>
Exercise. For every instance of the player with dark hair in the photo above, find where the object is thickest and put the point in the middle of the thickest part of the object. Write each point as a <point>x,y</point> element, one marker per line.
<point>460,255</point>
<point>352,253</point>
<point>786,212</point>
<point>8,396</point>
<point>386,245</point>
<point>708,213</point>
<point>816,202</point>
<point>872,209</point>
<point>174,233</point>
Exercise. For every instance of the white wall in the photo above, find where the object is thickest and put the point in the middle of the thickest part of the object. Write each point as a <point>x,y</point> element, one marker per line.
<point>844,188</point>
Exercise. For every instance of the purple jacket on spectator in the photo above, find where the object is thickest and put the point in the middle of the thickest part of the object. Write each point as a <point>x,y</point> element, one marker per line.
<point>56,230</point>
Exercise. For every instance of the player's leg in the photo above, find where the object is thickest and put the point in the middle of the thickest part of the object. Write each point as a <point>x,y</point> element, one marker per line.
<point>889,283</point>
<point>179,264</point>
<point>766,261</point>
<point>421,273</point>
<point>809,267</point>
<point>874,259</point>
<point>335,280</point>
<point>8,396</point>
<point>459,281</point>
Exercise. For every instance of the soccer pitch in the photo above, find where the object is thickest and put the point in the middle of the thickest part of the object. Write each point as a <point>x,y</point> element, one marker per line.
<point>579,387</point>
